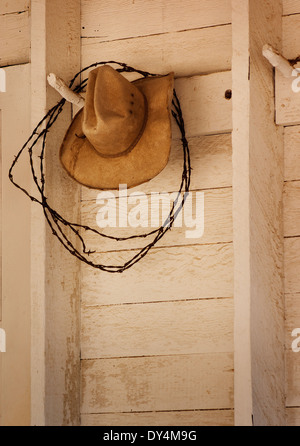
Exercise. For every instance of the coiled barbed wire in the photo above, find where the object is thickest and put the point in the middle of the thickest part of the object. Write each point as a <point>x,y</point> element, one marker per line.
<point>57,223</point>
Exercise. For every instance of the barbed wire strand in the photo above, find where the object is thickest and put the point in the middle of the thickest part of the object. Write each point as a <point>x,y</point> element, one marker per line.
<point>57,223</point>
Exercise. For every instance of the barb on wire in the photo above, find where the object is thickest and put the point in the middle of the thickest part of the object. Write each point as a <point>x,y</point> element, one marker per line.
<point>57,223</point>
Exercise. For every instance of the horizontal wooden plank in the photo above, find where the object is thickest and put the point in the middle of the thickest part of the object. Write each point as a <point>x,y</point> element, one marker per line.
<point>14,39</point>
<point>291,153</point>
<point>216,417</point>
<point>204,105</point>
<point>291,203</point>
<point>187,272</point>
<point>290,33</point>
<point>292,317</point>
<point>124,18</point>
<point>159,328</point>
<point>290,7</point>
<point>292,265</point>
<point>187,53</point>
<point>287,101</point>
<point>205,108</point>
<point>293,416</point>
<point>292,359</point>
<point>292,378</point>
<point>216,216</point>
<point>210,161</point>
<point>11,6</point>
<point>184,382</point>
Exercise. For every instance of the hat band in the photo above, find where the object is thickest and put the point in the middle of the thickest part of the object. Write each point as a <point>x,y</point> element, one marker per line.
<point>136,140</point>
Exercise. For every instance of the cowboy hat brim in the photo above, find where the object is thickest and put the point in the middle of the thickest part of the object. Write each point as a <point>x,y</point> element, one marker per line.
<point>147,158</point>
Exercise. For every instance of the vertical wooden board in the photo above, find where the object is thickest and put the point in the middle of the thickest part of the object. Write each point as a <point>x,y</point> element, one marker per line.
<point>11,6</point>
<point>123,18</point>
<point>215,417</point>
<point>172,328</point>
<point>14,39</point>
<point>257,168</point>
<point>185,382</point>
<point>291,265</point>
<point>290,7</point>
<point>291,203</point>
<point>186,53</point>
<point>291,153</point>
<point>56,351</point>
<point>210,160</point>
<point>212,224</point>
<point>16,220</point>
<point>190,272</point>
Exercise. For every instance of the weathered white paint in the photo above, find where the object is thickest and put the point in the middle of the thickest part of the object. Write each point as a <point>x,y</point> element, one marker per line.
<point>187,382</point>
<point>291,153</point>
<point>290,7</point>
<point>187,53</point>
<point>257,217</point>
<point>141,18</point>
<point>151,329</point>
<point>173,273</point>
<point>14,6</point>
<point>216,215</point>
<point>291,203</point>
<point>291,265</point>
<point>210,159</point>
<point>16,218</point>
<point>14,38</point>
<point>210,417</point>
<point>278,61</point>
<point>55,47</point>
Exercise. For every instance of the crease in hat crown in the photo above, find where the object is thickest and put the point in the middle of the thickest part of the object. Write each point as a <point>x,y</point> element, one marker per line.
<point>115,112</point>
<point>122,135</point>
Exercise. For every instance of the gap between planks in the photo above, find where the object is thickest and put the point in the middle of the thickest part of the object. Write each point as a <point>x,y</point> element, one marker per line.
<point>167,355</point>
<point>153,34</point>
<point>155,302</point>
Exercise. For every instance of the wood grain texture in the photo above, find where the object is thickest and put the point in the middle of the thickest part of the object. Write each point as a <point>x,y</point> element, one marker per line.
<point>186,53</point>
<point>141,18</point>
<point>217,220</point>
<point>292,378</point>
<point>215,417</point>
<point>257,217</point>
<point>12,6</point>
<point>291,153</point>
<point>186,272</point>
<point>184,382</point>
<point>291,265</point>
<point>290,7</point>
<point>287,101</point>
<point>55,47</point>
<point>290,33</point>
<point>292,359</point>
<point>291,203</point>
<point>293,416</point>
<point>14,39</point>
<point>210,160</point>
<point>162,328</point>
<point>15,372</point>
<point>292,320</point>
<point>204,105</point>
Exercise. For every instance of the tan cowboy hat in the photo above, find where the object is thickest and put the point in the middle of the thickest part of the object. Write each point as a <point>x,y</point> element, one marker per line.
<point>123,133</point>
